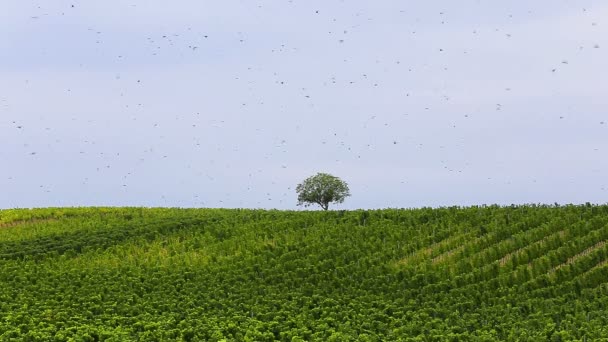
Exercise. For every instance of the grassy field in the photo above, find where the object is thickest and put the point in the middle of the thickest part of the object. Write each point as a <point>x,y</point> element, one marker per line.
<point>519,273</point>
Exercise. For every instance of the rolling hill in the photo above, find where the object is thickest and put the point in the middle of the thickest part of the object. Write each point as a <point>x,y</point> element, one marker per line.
<point>484,273</point>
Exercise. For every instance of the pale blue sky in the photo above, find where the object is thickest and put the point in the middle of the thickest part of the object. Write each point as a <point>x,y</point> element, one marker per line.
<point>232,103</point>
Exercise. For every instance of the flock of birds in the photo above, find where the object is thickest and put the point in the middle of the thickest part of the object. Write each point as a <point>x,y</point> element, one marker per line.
<point>106,160</point>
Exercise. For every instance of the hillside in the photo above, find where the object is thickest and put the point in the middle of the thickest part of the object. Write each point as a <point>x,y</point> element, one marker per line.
<point>525,273</point>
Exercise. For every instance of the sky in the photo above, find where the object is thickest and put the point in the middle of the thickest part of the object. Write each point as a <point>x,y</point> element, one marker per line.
<point>233,103</point>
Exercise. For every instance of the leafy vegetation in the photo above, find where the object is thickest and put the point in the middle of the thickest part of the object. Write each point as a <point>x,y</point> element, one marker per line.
<point>322,189</point>
<point>520,273</point>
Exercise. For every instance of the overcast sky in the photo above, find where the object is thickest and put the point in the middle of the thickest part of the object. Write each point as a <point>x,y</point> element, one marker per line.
<point>232,103</point>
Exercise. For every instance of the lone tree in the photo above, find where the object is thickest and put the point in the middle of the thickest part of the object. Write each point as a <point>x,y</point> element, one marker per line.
<point>322,189</point>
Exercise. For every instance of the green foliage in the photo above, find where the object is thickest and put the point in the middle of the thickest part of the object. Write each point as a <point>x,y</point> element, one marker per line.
<point>322,189</point>
<point>517,273</point>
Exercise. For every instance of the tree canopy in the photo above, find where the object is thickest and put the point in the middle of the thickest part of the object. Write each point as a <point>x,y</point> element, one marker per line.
<point>322,189</point>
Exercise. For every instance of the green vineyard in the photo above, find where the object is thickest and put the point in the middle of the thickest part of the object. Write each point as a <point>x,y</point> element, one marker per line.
<point>489,273</point>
